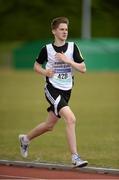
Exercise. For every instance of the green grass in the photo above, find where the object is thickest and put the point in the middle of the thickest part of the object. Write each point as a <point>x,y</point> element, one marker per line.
<point>95,102</point>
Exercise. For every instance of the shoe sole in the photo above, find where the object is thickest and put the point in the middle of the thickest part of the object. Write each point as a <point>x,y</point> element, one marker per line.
<point>81,165</point>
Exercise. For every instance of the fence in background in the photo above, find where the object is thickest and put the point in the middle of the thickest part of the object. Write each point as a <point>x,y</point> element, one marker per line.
<point>99,54</point>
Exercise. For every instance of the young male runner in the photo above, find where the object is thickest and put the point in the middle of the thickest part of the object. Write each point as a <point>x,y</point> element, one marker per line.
<point>60,57</point>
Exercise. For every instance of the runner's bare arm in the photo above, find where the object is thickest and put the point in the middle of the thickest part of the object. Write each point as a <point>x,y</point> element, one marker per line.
<point>45,72</point>
<point>78,66</point>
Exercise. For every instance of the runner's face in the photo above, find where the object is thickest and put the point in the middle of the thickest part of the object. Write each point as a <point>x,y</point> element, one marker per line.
<point>61,32</point>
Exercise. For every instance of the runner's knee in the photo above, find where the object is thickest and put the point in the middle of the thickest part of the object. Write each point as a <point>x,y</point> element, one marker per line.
<point>71,120</point>
<point>49,126</point>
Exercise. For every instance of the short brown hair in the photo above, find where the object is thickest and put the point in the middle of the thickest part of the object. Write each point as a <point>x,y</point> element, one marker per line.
<point>55,22</point>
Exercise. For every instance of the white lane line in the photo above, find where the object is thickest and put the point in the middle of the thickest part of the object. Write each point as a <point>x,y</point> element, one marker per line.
<point>18,177</point>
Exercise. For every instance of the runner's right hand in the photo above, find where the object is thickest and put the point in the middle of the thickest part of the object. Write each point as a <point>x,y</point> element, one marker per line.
<point>49,72</point>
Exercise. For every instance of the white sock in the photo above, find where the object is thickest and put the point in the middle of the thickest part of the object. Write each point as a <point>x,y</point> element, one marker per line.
<point>74,156</point>
<point>26,140</point>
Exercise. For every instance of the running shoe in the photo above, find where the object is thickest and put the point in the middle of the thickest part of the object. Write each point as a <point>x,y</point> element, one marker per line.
<point>78,162</point>
<point>23,146</point>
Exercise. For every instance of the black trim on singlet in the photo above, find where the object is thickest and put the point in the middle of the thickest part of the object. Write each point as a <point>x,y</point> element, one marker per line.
<point>42,58</point>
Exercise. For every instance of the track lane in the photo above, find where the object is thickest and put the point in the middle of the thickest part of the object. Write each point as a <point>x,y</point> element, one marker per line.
<point>44,173</point>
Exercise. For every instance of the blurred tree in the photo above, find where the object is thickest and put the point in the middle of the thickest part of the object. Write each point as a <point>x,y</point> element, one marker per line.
<point>30,20</point>
<point>105,15</point>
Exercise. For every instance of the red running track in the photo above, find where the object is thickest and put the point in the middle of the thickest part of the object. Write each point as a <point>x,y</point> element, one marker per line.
<point>15,172</point>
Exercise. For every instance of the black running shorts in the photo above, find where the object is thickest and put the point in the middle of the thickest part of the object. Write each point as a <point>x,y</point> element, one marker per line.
<point>57,98</point>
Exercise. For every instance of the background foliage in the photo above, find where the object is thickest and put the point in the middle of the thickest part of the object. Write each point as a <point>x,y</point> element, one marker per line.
<point>30,20</point>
